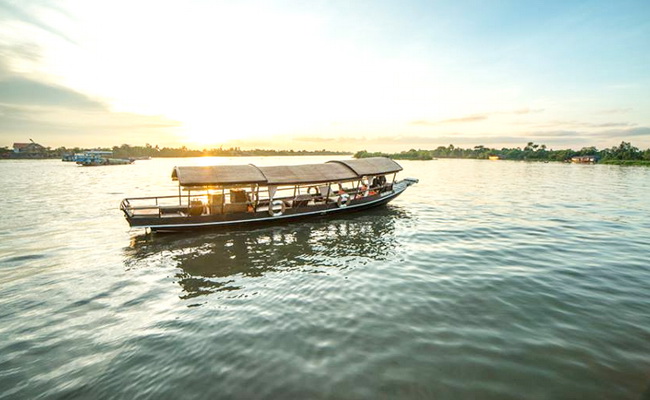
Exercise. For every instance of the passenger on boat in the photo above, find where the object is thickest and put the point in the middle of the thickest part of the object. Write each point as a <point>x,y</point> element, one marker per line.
<point>362,190</point>
<point>379,181</point>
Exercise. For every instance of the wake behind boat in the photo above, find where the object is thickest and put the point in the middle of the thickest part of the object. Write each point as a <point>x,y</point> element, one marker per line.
<point>236,195</point>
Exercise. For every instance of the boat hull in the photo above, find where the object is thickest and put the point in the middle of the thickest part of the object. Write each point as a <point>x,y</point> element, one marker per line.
<point>238,220</point>
<point>107,161</point>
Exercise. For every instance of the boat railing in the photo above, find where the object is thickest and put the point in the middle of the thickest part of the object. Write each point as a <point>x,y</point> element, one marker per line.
<point>197,201</point>
<point>152,205</point>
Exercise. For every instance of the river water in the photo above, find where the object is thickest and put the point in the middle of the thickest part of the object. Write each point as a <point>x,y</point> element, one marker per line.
<point>487,280</point>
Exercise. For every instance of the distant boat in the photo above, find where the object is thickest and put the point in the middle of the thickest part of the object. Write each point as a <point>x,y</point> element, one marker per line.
<point>494,158</point>
<point>95,158</point>
<point>69,157</point>
<point>584,159</point>
<point>244,195</point>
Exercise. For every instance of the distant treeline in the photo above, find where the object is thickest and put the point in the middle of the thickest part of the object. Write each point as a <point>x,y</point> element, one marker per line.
<point>148,150</point>
<point>624,153</point>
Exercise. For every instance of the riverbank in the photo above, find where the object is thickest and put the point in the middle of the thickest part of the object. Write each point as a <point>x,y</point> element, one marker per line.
<point>623,154</point>
<point>127,151</point>
<point>645,163</point>
<point>142,152</point>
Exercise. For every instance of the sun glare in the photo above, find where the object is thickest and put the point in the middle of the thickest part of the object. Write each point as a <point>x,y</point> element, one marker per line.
<point>203,135</point>
<point>213,130</point>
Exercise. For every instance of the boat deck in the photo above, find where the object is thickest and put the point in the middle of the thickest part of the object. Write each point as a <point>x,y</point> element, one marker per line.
<point>160,211</point>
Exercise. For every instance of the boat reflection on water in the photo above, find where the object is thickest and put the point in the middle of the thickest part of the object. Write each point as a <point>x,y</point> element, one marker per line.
<point>221,261</point>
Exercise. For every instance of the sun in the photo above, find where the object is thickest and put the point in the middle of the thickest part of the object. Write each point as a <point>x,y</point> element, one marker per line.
<point>208,132</point>
<point>210,129</point>
<point>203,137</point>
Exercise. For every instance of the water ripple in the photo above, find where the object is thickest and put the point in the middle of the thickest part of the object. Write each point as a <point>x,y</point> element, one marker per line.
<point>486,280</point>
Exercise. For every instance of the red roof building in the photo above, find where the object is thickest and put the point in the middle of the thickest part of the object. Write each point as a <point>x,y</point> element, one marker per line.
<point>28,148</point>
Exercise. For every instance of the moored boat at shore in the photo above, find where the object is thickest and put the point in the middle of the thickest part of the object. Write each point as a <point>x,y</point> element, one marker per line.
<point>69,157</point>
<point>94,158</point>
<point>239,195</point>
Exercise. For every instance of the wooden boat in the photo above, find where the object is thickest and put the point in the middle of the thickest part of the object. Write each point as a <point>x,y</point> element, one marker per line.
<point>237,195</point>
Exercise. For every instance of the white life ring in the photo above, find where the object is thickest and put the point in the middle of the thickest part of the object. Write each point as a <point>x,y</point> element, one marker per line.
<point>343,200</point>
<point>273,208</point>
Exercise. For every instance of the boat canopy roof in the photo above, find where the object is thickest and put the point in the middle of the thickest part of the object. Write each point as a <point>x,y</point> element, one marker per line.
<point>215,175</point>
<point>332,171</point>
<point>371,166</point>
<point>307,173</point>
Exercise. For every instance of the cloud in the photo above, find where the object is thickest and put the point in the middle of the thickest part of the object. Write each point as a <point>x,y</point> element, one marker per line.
<point>21,52</point>
<point>525,111</point>
<point>609,133</point>
<point>610,125</point>
<point>423,122</point>
<point>19,90</point>
<point>476,117</point>
<point>633,132</point>
<point>57,115</point>
<point>553,134</point>
<point>313,139</point>
<point>614,111</point>
<point>11,12</point>
<point>48,121</point>
<point>578,124</point>
<point>558,137</point>
<point>469,118</point>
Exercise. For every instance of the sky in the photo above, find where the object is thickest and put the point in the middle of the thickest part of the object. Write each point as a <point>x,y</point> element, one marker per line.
<point>334,74</point>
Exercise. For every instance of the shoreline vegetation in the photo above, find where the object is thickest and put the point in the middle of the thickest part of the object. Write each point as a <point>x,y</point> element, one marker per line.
<point>128,151</point>
<point>623,154</point>
<point>154,151</point>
